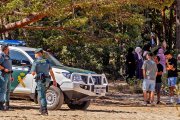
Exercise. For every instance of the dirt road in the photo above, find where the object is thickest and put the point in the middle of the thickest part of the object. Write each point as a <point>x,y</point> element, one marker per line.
<point>26,110</point>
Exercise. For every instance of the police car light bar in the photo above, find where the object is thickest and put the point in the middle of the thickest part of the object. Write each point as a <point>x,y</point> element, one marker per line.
<point>12,42</point>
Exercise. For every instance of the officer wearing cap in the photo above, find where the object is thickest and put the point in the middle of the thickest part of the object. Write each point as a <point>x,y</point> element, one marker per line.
<point>41,68</point>
<point>6,69</point>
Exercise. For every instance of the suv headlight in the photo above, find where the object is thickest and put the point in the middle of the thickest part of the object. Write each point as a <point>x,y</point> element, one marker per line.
<point>77,77</point>
<point>67,75</point>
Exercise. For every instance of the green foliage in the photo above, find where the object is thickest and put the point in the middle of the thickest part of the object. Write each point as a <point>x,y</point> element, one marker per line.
<point>97,34</point>
<point>78,22</point>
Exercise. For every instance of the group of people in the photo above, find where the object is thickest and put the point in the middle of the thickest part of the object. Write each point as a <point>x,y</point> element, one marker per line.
<point>150,67</point>
<point>40,68</point>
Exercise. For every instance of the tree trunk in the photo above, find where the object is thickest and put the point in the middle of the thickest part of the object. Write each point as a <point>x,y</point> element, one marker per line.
<point>23,22</point>
<point>164,23</point>
<point>171,22</point>
<point>178,24</point>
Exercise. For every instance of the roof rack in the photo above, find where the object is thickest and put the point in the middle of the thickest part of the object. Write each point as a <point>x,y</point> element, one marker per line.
<point>12,42</point>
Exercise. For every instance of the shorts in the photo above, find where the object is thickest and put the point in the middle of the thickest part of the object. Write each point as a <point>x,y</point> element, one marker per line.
<point>158,87</point>
<point>148,85</point>
<point>172,81</point>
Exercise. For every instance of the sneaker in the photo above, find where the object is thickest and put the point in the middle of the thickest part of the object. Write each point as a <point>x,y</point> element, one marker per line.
<point>172,100</point>
<point>144,103</point>
<point>153,104</point>
<point>44,112</point>
<point>148,102</point>
<point>6,107</point>
<point>178,101</point>
<point>2,106</point>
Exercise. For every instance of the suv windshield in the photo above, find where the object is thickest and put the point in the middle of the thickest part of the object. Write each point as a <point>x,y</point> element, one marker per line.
<point>53,61</point>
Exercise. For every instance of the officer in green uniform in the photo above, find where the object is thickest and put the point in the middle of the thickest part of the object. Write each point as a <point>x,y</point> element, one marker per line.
<point>6,70</point>
<point>41,68</point>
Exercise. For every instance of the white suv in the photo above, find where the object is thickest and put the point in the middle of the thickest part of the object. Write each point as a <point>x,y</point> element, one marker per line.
<point>76,87</point>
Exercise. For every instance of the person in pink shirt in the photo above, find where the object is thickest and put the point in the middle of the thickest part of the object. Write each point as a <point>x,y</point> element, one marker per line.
<point>162,58</point>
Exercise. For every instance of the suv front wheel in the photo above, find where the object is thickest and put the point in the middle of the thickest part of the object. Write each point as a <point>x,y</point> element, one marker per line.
<point>54,97</point>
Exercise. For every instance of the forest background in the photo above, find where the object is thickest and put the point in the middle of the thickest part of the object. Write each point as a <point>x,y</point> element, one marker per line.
<point>91,34</point>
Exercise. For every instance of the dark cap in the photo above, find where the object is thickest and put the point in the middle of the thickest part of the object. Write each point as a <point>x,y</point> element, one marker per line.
<point>3,47</point>
<point>39,50</point>
<point>167,53</point>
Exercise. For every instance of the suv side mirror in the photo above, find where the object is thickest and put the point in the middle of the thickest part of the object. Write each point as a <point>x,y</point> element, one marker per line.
<point>15,62</point>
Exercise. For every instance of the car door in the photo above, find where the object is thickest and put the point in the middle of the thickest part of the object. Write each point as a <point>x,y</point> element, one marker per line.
<point>21,67</point>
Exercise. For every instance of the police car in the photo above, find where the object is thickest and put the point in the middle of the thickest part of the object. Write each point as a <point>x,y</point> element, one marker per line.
<point>76,87</point>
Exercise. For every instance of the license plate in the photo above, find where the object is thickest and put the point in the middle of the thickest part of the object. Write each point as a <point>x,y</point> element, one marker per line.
<point>99,91</point>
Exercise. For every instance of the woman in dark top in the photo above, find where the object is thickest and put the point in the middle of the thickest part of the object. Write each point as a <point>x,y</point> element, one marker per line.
<point>130,62</point>
<point>139,62</point>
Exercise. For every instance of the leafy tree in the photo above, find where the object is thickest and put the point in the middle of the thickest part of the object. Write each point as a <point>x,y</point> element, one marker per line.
<point>90,34</point>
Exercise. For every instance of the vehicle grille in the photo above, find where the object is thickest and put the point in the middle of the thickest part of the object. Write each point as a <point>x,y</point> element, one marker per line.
<point>93,79</point>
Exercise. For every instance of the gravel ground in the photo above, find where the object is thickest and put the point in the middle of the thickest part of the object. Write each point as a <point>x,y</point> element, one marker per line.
<point>126,107</point>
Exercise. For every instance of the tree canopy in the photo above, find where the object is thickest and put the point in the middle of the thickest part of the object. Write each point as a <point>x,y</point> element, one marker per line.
<point>90,34</point>
<point>35,10</point>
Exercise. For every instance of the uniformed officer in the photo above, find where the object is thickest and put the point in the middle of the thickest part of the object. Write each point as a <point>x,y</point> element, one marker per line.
<point>6,70</point>
<point>41,68</point>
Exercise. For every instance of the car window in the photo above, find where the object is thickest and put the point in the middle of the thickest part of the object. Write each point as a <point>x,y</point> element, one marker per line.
<point>52,60</point>
<point>31,54</point>
<point>17,57</point>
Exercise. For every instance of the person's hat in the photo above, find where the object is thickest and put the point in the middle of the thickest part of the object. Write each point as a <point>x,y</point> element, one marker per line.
<point>167,53</point>
<point>38,50</point>
<point>3,47</point>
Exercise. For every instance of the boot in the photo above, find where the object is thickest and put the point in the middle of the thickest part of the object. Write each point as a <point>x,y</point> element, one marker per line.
<point>44,111</point>
<point>2,106</point>
<point>40,109</point>
<point>6,107</point>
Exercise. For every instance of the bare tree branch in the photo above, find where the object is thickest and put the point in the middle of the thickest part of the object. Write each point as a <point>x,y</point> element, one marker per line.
<point>23,22</point>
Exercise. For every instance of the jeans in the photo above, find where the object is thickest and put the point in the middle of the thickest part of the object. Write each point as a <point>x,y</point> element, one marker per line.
<point>5,87</point>
<point>2,90</point>
<point>41,90</point>
<point>7,78</point>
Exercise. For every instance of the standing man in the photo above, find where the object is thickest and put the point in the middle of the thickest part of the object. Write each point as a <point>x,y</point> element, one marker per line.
<point>172,73</point>
<point>158,78</point>
<point>2,91</point>
<point>41,68</point>
<point>149,73</point>
<point>6,68</point>
<point>153,40</point>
